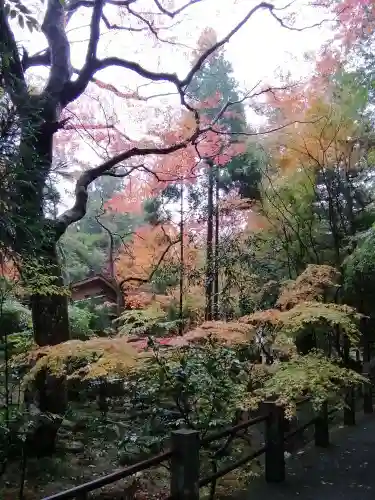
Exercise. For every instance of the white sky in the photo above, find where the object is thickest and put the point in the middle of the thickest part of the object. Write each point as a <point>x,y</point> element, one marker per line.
<point>257,52</point>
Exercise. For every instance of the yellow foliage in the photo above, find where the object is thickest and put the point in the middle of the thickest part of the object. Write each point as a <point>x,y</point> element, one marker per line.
<point>284,346</point>
<point>304,318</point>
<point>316,283</point>
<point>231,332</point>
<point>82,360</point>
<point>270,318</point>
<point>319,137</point>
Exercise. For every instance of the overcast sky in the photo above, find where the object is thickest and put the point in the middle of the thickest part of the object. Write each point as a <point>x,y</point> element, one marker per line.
<point>257,52</point>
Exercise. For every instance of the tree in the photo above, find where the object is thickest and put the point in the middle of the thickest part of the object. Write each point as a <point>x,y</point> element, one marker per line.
<point>90,246</point>
<point>40,111</point>
<point>213,80</point>
<point>329,199</point>
<point>150,246</point>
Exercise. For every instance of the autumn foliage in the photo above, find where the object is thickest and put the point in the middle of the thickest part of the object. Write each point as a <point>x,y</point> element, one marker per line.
<point>316,283</point>
<point>77,360</point>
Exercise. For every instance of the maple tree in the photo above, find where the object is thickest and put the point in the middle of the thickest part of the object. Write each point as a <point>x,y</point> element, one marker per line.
<point>149,246</point>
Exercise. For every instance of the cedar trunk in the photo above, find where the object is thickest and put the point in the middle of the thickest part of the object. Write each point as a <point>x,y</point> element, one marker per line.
<point>209,244</point>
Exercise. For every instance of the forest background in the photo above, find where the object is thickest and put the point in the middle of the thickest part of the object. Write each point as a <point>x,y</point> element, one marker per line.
<point>234,222</point>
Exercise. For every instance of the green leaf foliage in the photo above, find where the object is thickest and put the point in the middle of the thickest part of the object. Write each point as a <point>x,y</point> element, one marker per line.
<point>143,322</point>
<point>310,324</point>
<point>16,9</point>
<point>14,317</point>
<point>197,387</point>
<point>80,320</point>
<point>313,375</point>
<point>359,276</point>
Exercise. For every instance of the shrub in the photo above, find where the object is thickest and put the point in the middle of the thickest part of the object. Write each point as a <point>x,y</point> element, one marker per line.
<point>316,283</point>
<point>21,342</point>
<point>15,317</point>
<point>79,361</point>
<point>309,323</point>
<point>199,387</point>
<point>312,375</point>
<point>80,320</point>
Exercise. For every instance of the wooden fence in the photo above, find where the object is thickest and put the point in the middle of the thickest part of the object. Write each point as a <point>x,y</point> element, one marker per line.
<point>185,478</point>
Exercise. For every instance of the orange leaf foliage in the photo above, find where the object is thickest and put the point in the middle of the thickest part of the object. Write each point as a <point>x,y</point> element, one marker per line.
<point>319,139</point>
<point>231,332</point>
<point>316,283</point>
<point>268,319</point>
<point>149,244</point>
<point>356,19</point>
<point>141,300</point>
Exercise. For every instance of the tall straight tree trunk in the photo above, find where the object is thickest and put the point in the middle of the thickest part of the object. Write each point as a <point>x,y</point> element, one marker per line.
<point>216,251</point>
<point>182,264</point>
<point>209,243</point>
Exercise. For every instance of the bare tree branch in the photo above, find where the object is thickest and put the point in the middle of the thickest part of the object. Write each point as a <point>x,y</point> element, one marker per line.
<point>76,88</point>
<point>94,65</point>
<point>118,27</point>
<point>199,63</point>
<point>174,13</point>
<point>81,195</point>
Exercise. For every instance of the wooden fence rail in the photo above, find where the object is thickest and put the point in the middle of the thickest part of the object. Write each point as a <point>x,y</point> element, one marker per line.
<point>185,480</point>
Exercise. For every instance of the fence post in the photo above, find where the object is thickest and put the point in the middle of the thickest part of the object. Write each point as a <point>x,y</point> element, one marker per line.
<point>349,409</point>
<point>185,465</point>
<point>321,427</point>
<point>274,460</point>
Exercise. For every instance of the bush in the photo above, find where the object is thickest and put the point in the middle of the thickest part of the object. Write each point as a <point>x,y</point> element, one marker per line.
<point>80,362</point>
<point>20,342</point>
<point>150,321</point>
<point>80,321</point>
<point>199,387</point>
<point>313,375</point>
<point>14,318</point>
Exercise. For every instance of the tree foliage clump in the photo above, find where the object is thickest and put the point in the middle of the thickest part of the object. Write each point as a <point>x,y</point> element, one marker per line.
<point>80,323</point>
<point>14,317</point>
<point>308,320</point>
<point>143,322</point>
<point>78,360</point>
<point>359,274</point>
<point>199,387</point>
<point>227,332</point>
<point>312,375</point>
<point>316,283</point>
